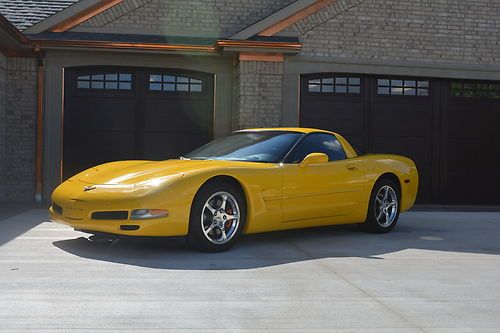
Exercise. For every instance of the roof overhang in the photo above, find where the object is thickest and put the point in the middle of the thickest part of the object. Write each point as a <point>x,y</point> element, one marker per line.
<point>13,42</point>
<point>154,43</point>
<point>261,37</point>
<point>282,19</point>
<point>269,26</point>
<point>72,16</point>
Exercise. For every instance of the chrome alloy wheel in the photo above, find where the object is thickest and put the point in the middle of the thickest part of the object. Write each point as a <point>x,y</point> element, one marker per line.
<point>386,206</point>
<point>220,218</point>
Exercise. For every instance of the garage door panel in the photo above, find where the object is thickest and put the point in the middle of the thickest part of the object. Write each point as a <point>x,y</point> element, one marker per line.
<point>390,120</point>
<point>357,141</point>
<point>86,149</point>
<point>471,153</point>
<point>470,120</point>
<point>471,189</point>
<point>102,115</point>
<point>415,148</point>
<point>112,142</point>
<point>340,115</point>
<point>113,114</point>
<point>472,143</point>
<point>171,144</point>
<point>159,115</point>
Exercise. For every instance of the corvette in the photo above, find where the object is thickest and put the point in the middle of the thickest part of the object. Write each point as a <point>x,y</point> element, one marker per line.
<point>251,181</point>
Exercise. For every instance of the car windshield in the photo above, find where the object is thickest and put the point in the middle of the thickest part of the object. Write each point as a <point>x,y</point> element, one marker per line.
<point>265,146</point>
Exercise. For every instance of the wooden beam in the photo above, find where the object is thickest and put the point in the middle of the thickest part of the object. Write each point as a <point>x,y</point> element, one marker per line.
<point>123,45</point>
<point>84,15</point>
<point>260,44</point>
<point>283,24</point>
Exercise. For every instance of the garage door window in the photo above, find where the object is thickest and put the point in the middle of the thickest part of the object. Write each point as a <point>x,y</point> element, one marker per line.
<point>478,90</point>
<point>172,83</point>
<point>335,85</point>
<point>122,81</point>
<point>402,87</point>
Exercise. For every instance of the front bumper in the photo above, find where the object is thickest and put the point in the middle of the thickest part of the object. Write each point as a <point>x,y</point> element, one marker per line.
<point>151,227</point>
<point>75,206</point>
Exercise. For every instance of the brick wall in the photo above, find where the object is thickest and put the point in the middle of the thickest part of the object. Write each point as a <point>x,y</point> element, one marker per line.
<point>19,143</point>
<point>208,17</point>
<point>437,31</point>
<point>258,97</point>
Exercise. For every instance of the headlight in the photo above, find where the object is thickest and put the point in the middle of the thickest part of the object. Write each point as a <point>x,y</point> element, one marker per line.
<point>142,214</point>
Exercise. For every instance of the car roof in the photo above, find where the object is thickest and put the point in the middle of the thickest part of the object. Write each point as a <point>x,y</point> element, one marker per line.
<point>288,129</point>
<point>350,152</point>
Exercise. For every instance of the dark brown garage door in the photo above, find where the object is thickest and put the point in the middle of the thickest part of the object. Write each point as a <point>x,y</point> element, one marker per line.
<point>113,113</point>
<point>471,154</point>
<point>402,123</point>
<point>450,135</point>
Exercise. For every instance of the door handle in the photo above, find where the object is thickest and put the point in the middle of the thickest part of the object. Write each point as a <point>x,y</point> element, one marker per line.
<point>352,168</point>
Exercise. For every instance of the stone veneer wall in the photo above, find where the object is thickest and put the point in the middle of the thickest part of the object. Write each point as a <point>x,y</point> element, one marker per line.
<point>219,18</point>
<point>259,94</point>
<point>437,31</point>
<point>18,120</point>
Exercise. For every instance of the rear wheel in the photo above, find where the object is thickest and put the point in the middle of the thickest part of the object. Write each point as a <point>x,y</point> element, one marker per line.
<point>217,217</point>
<point>383,211</point>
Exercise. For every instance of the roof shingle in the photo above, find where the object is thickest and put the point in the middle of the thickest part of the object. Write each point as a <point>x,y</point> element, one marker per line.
<point>25,13</point>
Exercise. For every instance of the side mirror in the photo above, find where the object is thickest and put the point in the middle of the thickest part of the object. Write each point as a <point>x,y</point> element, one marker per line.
<point>314,158</point>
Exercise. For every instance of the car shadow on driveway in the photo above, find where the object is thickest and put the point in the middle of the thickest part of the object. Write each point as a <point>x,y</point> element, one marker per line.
<point>449,232</point>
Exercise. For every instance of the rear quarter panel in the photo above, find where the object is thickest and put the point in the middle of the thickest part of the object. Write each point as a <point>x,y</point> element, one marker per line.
<point>402,167</point>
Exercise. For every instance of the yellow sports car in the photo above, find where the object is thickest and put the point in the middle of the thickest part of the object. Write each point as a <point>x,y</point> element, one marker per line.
<point>248,182</point>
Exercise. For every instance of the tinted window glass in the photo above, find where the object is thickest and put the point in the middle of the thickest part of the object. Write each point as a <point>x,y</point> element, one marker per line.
<point>318,143</point>
<point>105,81</point>
<point>265,146</point>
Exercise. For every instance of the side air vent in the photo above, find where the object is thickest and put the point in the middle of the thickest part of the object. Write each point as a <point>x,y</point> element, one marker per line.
<point>129,227</point>
<point>113,215</point>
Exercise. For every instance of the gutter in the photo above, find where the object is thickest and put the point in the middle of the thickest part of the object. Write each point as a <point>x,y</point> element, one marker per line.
<point>229,45</point>
<point>236,45</point>
<point>122,45</point>
<point>39,125</point>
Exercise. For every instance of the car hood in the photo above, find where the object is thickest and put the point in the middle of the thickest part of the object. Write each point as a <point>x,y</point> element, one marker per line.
<point>144,173</point>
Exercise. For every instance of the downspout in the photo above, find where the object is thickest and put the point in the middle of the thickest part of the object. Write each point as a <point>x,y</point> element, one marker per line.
<point>39,135</point>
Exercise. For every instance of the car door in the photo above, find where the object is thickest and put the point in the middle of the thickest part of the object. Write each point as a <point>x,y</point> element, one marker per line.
<point>320,190</point>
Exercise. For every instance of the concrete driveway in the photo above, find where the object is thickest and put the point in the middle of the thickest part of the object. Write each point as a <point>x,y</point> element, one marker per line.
<point>437,272</point>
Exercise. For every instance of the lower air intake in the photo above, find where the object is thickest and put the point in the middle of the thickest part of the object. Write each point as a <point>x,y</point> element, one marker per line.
<point>116,215</point>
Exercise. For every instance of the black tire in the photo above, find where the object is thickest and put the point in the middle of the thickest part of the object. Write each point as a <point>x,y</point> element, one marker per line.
<point>374,225</point>
<point>196,237</point>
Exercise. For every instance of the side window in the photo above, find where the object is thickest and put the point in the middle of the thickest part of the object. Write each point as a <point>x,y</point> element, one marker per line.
<point>318,143</point>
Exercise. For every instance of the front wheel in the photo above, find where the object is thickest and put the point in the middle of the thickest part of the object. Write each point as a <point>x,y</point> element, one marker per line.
<point>383,211</point>
<point>218,216</point>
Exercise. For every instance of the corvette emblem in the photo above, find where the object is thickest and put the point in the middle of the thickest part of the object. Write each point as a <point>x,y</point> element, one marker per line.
<point>89,188</point>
